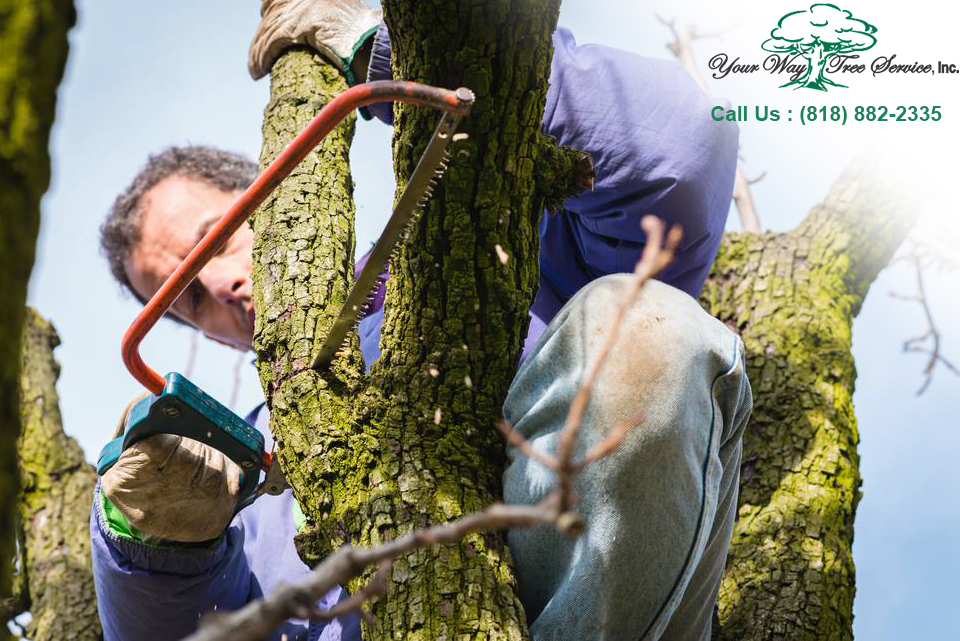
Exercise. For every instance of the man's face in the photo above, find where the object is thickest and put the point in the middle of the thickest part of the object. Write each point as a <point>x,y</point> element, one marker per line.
<point>177,212</point>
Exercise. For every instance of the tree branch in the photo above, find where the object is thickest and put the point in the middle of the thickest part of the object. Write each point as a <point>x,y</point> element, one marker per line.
<point>927,343</point>
<point>54,502</point>
<point>865,217</point>
<point>562,173</point>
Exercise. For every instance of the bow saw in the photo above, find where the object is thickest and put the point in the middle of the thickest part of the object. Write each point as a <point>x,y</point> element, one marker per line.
<point>181,408</point>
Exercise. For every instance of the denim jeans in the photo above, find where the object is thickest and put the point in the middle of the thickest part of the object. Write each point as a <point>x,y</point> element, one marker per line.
<point>659,511</point>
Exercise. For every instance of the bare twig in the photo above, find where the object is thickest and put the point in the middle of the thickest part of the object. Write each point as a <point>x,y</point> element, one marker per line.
<point>655,257</point>
<point>743,197</point>
<point>258,619</point>
<point>514,439</point>
<point>927,343</point>
<point>606,447</point>
<point>681,47</point>
<point>940,248</point>
<point>192,354</point>
<point>237,378</point>
<point>376,587</point>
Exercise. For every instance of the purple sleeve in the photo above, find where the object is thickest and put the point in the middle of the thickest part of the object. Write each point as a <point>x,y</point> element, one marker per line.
<point>157,593</point>
<point>380,69</point>
<point>656,150</point>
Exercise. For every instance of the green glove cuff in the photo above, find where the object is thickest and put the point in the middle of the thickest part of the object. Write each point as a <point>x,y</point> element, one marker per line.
<point>117,523</point>
<point>347,63</point>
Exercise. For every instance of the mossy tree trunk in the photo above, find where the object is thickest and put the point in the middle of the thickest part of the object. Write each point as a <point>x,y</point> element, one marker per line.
<point>33,39</point>
<point>371,457</point>
<point>55,578</point>
<point>793,297</point>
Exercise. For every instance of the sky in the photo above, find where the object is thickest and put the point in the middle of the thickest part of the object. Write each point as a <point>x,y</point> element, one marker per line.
<point>145,75</point>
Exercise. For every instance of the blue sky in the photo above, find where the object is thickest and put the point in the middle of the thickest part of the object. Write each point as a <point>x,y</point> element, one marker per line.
<point>145,75</point>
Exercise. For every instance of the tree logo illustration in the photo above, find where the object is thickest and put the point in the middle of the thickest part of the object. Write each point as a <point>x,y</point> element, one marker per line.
<point>818,34</point>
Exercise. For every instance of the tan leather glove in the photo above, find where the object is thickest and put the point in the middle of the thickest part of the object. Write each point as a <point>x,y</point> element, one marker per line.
<point>335,28</point>
<point>173,488</point>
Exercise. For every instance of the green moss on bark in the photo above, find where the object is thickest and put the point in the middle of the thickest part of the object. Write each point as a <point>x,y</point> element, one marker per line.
<point>793,297</point>
<point>371,458</point>
<point>34,45</point>
<point>56,489</point>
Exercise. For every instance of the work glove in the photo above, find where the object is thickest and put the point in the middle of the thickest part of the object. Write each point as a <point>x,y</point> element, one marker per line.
<point>173,488</point>
<point>335,28</point>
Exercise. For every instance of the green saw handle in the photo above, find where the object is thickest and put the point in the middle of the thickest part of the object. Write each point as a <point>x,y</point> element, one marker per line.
<point>183,409</point>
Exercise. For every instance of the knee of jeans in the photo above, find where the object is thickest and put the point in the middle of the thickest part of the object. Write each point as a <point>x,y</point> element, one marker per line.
<point>668,350</point>
<point>663,327</point>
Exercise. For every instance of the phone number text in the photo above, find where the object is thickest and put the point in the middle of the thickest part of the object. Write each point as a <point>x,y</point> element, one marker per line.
<point>870,114</point>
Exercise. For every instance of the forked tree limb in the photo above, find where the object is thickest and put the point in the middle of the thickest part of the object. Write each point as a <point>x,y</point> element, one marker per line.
<point>258,619</point>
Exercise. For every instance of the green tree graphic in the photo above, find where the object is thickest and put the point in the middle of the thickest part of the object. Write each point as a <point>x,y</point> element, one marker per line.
<point>818,34</point>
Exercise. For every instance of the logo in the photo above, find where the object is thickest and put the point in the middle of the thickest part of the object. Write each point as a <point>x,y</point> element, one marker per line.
<point>822,32</point>
<point>814,48</point>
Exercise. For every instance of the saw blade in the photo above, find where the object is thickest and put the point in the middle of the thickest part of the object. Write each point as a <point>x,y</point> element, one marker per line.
<point>429,170</point>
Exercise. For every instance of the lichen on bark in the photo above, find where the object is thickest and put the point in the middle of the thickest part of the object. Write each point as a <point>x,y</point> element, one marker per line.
<point>33,39</point>
<point>366,455</point>
<point>793,297</point>
<point>57,484</point>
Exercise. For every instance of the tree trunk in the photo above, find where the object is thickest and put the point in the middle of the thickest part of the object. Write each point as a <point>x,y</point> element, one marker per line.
<point>817,61</point>
<point>33,38</point>
<point>55,573</point>
<point>370,458</point>
<point>793,298</point>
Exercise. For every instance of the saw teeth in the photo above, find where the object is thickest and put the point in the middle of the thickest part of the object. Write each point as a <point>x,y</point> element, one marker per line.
<point>432,180</point>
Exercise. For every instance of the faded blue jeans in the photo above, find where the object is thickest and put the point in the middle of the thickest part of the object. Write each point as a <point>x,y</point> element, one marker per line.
<point>659,511</point>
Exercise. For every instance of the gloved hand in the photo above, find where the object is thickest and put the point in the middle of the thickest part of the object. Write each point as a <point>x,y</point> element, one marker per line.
<point>335,28</point>
<point>173,488</point>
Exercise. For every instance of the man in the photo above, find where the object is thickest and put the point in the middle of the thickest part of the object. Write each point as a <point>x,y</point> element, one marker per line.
<point>659,512</point>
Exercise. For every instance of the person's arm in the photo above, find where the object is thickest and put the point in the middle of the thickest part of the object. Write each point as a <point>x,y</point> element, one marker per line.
<point>157,586</point>
<point>159,591</point>
<point>163,549</point>
<point>655,149</point>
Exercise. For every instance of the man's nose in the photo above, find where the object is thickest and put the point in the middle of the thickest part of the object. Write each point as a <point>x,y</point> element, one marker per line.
<point>228,285</point>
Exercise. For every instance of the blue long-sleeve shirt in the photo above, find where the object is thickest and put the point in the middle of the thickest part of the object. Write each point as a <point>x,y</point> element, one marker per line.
<point>655,149</point>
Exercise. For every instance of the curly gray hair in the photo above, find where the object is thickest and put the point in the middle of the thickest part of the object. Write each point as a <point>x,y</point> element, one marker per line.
<point>120,232</point>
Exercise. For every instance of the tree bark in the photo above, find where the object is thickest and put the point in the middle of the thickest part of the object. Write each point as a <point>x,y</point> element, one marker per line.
<point>365,454</point>
<point>793,297</point>
<point>33,38</point>
<point>57,484</point>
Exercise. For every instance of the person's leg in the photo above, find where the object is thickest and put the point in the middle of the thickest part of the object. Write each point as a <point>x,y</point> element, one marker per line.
<point>693,617</point>
<point>651,508</point>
